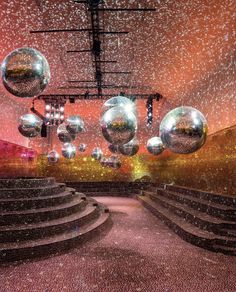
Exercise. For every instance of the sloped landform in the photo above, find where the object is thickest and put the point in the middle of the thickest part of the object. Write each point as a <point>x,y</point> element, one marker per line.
<point>41,217</point>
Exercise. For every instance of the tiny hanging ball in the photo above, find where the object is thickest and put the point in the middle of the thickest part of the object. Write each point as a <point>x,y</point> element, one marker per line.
<point>155,146</point>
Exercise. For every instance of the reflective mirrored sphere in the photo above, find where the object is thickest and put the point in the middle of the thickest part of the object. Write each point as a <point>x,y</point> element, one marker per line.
<point>155,146</point>
<point>30,125</point>
<point>82,147</point>
<point>53,156</point>
<point>118,125</point>
<point>128,104</point>
<point>113,148</point>
<point>97,153</point>
<point>74,124</point>
<point>25,72</point>
<point>68,150</point>
<point>104,161</point>
<point>63,135</point>
<point>114,162</point>
<point>183,130</point>
<point>129,149</point>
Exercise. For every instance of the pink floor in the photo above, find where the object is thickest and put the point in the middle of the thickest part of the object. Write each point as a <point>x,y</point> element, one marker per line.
<point>139,254</point>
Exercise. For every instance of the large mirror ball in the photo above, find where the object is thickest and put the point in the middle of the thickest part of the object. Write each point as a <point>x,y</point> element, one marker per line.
<point>118,125</point>
<point>129,149</point>
<point>155,146</point>
<point>25,72</point>
<point>183,130</point>
<point>63,135</point>
<point>68,150</point>
<point>74,124</point>
<point>30,125</point>
<point>128,104</point>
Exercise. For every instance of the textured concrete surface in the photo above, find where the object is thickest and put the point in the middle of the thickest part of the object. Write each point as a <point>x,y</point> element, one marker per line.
<point>139,254</point>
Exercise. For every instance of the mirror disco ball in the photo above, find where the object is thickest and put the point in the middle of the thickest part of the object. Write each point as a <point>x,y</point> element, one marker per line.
<point>129,149</point>
<point>183,130</point>
<point>74,125</point>
<point>113,148</point>
<point>155,146</point>
<point>104,161</point>
<point>82,147</point>
<point>114,162</point>
<point>119,101</point>
<point>97,153</point>
<point>53,156</point>
<point>68,150</point>
<point>118,125</point>
<point>25,72</point>
<point>63,135</point>
<point>30,125</point>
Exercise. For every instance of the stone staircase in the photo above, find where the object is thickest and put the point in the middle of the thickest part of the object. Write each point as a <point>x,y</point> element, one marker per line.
<point>39,216</point>
<point>204,219</point>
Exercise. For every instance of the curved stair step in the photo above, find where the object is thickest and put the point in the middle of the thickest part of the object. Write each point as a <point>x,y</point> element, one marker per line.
<point>208,196</point>
<point>17,193</point>
<point>36,202</point>
<point>26,182</point>
<point>53,244</point>
<point>190,233</point>
<point>47,228</point>
<point>43,214</point>
<point>198,218</point>
<point>214,209</point>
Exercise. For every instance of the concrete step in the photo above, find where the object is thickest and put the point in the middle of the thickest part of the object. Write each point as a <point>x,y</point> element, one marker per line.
<point>217,210</point>
<point>198,218</point>
<point>48,228</point>
<point>36,202</point>
<point>188,232</point>
<point>26,182</point>
<point>42,214</point>
<point>56,243</point>
<point>229,200</point>
<point>15,193</point>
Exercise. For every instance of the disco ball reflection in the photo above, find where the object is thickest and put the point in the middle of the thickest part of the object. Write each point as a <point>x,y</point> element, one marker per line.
<point>113,148</point>
<point>30,125</point>
<point>82,147</point>
<point>97,153</point>
<point>155,146</point>
<point>74,125</point>
<point>129,149</point>
<point>63,135</point>
<point>53,156</point>
<point>25,72</point>
<point>123,101</point>
<point>68,150</point>
<point>183,130</point>
<point>118,125</point>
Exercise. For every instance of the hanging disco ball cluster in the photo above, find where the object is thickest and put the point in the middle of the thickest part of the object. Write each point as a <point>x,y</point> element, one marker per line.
<point>26,73</point>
